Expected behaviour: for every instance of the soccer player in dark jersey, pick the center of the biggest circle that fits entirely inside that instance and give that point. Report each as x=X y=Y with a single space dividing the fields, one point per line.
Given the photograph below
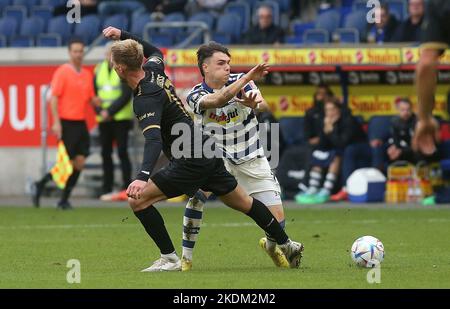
x=158 y=110
x=435 y=40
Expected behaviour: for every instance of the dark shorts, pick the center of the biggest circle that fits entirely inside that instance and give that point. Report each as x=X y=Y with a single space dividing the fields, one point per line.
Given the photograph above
x=436 y=25
x=324 y=158
x=76 y=138
x=186 y=176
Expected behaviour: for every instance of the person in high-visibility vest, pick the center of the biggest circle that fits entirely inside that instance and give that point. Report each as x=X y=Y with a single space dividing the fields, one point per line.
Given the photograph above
x=115 y=118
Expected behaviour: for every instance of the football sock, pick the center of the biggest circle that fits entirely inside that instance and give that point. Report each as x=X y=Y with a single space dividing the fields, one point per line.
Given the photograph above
x=271 y=242
x=71 y=182
x=191 y=223
x=315 y=178
x=328 y=185
x=265 y=220
x=41 y=183
x=153 y=223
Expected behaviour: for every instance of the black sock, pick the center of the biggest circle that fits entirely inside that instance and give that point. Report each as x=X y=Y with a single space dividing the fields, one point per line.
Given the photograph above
x=153 y=223
x=71 y=182
x=265 y=220
x=41 y=183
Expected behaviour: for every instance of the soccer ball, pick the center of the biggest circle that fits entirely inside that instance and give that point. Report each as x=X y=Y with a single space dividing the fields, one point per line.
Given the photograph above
x=367 y=251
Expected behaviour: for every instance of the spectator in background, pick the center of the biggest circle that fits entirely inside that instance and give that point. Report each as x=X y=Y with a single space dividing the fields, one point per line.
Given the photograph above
x=212 y=6
x=402 y=130
x=410 y=29
x=314 y=115
x=72 y=91
x=265 y=32
x=115 y=118
x=160 y=8
x=337 y=132
x=384 y=30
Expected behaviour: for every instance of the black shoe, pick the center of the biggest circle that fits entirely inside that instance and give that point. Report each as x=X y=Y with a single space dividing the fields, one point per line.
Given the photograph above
x=64 y=205
x=36 y=192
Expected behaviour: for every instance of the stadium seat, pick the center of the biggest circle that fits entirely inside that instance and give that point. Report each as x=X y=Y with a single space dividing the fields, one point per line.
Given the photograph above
x=138 y=24
x=21 y=41
x=275 y=11
x=26 y=3
x=2 y=41
x=229 y=24
x=32 y=27
x=222 y=38
x=48 y=40
x=346 y=35
x=59 y=25
x=119 y=21
x=205 y=17
x=88 y=29
x=316 y=36
x=53 y=3
x=360 y=5
x=4 y=3
x=161 y=40
x=108 y=8
x=284 y=5
x=242 y=9
x=358 y=21
x=18 y=12
x=8 y=27
x=292 y=130
x=44 y=12
x=328 y=21
x=379 y=128
x=300 y=27
x=397 y=8
x=293 y=39
x=174 y=17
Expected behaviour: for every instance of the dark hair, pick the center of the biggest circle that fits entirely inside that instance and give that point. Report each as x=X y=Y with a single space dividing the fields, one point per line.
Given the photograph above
x=335 y=101
x=327 y=89
x=404 y=100
x=385 y=6
x=74 y=40
x=207 y=50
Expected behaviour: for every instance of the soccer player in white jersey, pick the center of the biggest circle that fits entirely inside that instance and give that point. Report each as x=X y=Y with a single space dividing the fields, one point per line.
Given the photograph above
x=235 y=127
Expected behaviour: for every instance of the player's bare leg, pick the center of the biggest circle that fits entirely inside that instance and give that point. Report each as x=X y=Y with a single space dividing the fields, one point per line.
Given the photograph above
x=141 y=202
x=426 y=80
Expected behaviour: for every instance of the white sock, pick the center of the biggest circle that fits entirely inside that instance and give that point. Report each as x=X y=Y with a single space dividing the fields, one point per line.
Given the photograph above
x=192 y=220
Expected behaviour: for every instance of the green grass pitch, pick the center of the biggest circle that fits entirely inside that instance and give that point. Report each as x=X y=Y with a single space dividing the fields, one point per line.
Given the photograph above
x=112 y=248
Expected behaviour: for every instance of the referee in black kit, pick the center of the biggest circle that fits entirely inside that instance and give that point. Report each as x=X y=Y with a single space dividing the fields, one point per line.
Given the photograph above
x=158 y=110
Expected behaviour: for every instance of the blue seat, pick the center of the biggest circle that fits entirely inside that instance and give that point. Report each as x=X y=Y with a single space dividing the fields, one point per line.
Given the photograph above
x=119 y=21
x=361 y=5
x=32 y=27
x=59 y=25
x=346 y=35
x=88 y=29
x=358 y=21
x=48 y=40
x=108 y=8
x=26 y=3
x=162 y=40
x=293 y=39
x=19 y=12
x=8 y=27
x=241 y=9
x=284 y=5
x=4 y=3
x=53 y=3
x=229 y=24
x=21 y=41
x=2 y=41
x=397 y=8
x=316 y=36
x=292 y=129
x=300 y=27
x=205 y=17
x=138 y=24
x=44 y=12
x=379 y=128
x=174 y=17
x=222 y=38
x=328 y=21
x=275 y=11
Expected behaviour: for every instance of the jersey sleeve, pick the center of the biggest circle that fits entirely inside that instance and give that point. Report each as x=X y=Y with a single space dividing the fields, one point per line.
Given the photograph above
x=57 y=84
x=148 y=110
x=194 y=98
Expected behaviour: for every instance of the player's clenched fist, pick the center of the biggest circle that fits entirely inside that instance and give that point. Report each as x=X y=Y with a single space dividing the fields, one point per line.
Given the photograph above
x=112 y=33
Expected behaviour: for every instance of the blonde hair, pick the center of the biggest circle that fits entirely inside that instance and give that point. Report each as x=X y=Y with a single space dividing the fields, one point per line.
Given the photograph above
x=129 y=53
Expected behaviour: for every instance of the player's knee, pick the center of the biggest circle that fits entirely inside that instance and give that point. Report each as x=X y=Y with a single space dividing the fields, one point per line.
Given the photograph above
x=133 y=203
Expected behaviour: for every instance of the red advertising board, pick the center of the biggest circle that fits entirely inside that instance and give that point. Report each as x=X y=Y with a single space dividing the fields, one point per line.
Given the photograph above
x=21 y=90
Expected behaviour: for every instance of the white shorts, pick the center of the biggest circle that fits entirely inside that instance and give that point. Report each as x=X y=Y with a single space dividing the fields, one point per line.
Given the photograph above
x=256 y=177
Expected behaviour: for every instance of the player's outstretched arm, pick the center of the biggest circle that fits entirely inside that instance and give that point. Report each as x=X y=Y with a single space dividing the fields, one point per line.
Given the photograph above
x=117 y=34
x=223 y=96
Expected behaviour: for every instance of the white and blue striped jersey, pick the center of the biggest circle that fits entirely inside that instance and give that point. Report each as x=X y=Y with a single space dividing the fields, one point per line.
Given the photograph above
x=234 y=125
